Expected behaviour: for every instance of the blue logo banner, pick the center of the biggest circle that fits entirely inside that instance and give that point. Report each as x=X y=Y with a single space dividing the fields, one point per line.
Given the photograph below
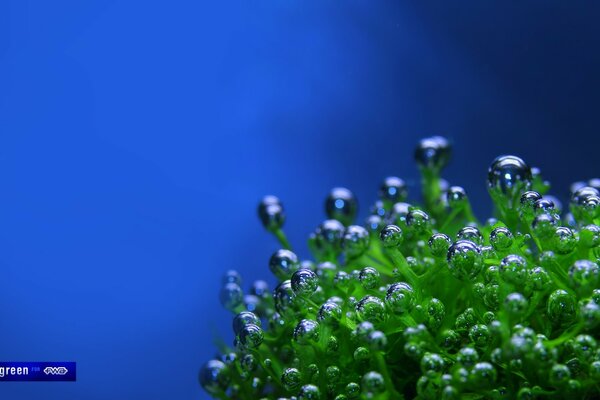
x=52 y=371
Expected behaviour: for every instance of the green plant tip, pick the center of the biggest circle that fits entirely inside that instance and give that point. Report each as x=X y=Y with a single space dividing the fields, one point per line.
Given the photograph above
x=423 y=301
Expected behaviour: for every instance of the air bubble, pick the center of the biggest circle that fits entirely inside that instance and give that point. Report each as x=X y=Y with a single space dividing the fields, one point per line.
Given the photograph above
x=306 y=331
x=371 y=308
x=439 y=243
x=283 y=264
x=456 y=197
x=271 y=213
x=231 y=296
x=433 y=153
x=391 y=236
x=470 y=233
x=509 y=175
x=214 y=377
x=501 y=238
x=464 y=260
x=400 y=298
x=356 y=241
x=393 y=189
x=304 y=282
x=341 y=205
x=244 y=318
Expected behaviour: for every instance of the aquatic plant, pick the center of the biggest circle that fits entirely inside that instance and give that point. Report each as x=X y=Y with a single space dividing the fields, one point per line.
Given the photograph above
x=424 y=301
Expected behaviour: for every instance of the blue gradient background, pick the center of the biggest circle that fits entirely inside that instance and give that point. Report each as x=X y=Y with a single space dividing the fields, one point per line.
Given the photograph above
x=137 y=137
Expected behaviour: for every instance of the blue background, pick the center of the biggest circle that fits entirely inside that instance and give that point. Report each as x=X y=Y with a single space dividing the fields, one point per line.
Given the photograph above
x=136 y=138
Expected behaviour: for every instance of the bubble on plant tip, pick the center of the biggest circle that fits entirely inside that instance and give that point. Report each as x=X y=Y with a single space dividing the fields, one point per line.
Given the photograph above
x=271 y=213
x=415 y=333
x=248 y=363
x=333 y=373
x=231 y=296
x=564 y=241
x=584 y=347
x=465 y=320
x=433 y=152
x=369 y=278
x=391 y=236
x=584 y=276
x=214 y=377
x=418 y=220
x=393 y=189
x=251 y=336
x=352 y=389
x=362 y=330
x=589 y=236
x=580 y=195
x=291 y=379
x=377 y=340
x=378 y=208
x=464 y=259
x=242 y=319
x=510 y=175
x=356 y=241
x=232 y=276
x=283 y=296
x=400 y=298
x=361 y=354
x=501 y=238
x=439 y=243
x=304 y=282
x=467 y=357
x=371 y=308
x=543 y=206
x=560 y=306
x=471 y=233
x=544 y=225
x=483 y=374
x=449 y=392
x=585 y=204
x=450 y=339
x=309 y=392
x=513 y=269
x=413 y=350
x=374 y=223
x=436 y=311
x=329 y=312
x=373 y=382
x=283 y=263
x=559 y=375
x=456 y=197
x=254 y=304
x=326 y=271
x=306 y=331
x=539 y=278
x=479 y=335
x=329 y=235
x=432 y=362
x=558 y=206
x=515 y=304
x=398 y=212
x=526 y=202
x=341 y=205
x=260 y=288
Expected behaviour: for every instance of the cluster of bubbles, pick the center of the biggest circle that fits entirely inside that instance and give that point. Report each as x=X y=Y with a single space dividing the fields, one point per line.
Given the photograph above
x=425 y=302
